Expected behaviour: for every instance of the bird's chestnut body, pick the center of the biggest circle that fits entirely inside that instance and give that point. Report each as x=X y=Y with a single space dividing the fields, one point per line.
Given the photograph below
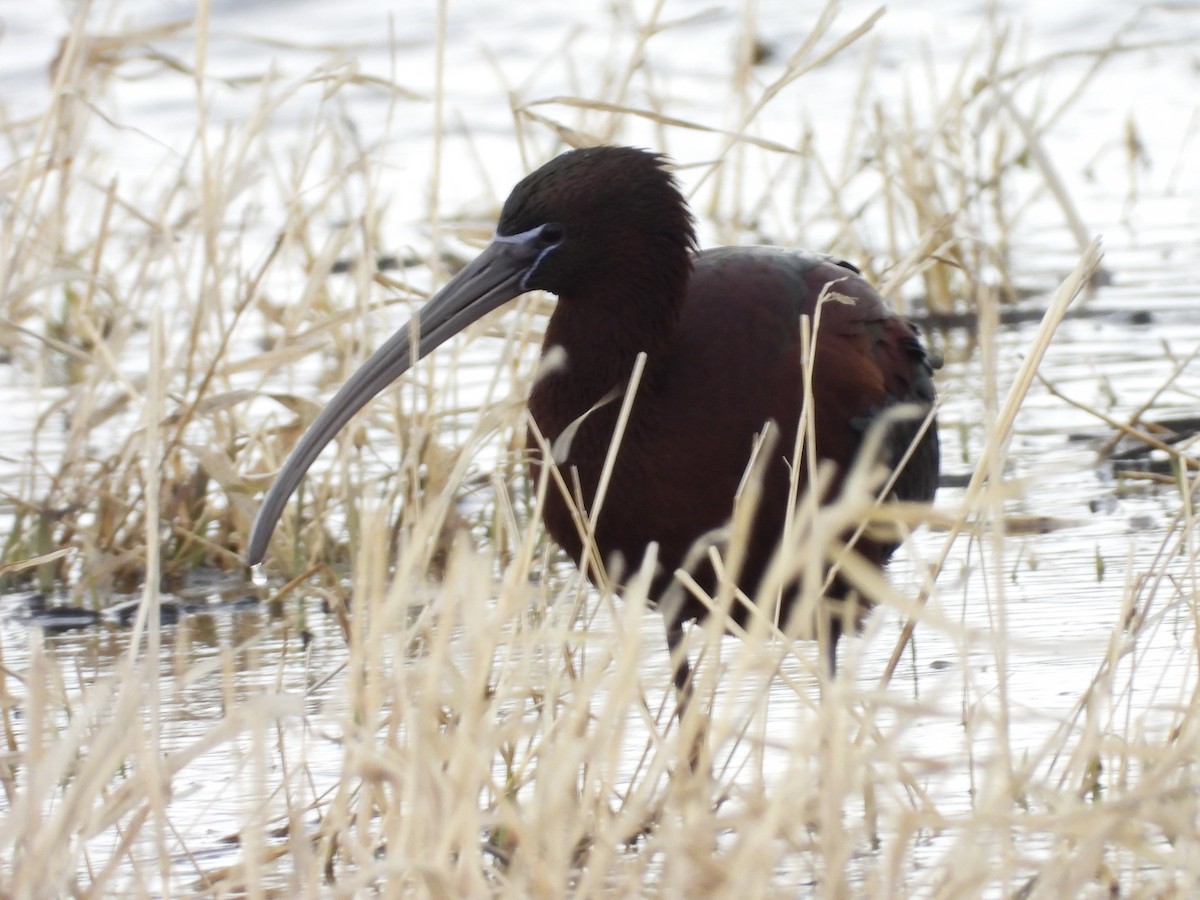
x=607 y=230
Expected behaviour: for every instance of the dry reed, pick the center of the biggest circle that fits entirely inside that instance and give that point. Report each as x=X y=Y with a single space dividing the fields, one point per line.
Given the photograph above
x=492 y=725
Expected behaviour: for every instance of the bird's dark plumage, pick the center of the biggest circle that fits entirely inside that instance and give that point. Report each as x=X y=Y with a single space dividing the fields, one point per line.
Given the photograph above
x=607 y=230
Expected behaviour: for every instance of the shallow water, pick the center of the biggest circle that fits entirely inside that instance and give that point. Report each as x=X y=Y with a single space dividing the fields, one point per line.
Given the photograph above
x=1062 y=592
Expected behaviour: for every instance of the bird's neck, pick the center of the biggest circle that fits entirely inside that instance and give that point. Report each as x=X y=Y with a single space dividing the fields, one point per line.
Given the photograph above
x=591 y=345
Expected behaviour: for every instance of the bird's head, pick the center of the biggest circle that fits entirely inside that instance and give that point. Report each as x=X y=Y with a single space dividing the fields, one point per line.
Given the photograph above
x=582 y=216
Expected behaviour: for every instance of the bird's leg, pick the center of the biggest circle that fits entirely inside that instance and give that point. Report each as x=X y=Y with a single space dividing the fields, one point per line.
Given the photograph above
x=831 y=642
x=697 y=730
x=844 y=613
x=681 y=671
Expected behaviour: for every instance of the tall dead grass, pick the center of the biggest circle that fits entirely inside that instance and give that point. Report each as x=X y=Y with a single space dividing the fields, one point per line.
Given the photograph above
x=492 y=725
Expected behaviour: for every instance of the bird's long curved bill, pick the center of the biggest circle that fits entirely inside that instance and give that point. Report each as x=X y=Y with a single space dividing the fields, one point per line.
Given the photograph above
x=492 y=279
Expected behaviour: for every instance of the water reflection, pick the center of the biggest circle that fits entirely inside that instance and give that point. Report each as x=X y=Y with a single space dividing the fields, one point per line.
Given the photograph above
x=1019 y=638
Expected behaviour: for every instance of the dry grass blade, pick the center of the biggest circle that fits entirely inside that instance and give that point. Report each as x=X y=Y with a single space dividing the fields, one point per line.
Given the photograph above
x=428 y=700
x=999 y=435
x=21 y=565
x=660 y=119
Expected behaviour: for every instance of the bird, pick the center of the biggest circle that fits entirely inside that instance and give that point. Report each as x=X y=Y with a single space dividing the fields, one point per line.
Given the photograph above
x=720 y=340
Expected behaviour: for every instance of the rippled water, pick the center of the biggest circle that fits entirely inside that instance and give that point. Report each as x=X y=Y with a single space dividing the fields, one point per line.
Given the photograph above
x=1063 y=591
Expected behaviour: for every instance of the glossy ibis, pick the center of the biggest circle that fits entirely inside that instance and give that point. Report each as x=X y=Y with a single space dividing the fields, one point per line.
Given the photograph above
x=608 y=231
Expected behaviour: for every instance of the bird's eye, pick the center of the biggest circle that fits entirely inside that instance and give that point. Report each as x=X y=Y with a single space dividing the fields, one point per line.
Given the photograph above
x=550 y=234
